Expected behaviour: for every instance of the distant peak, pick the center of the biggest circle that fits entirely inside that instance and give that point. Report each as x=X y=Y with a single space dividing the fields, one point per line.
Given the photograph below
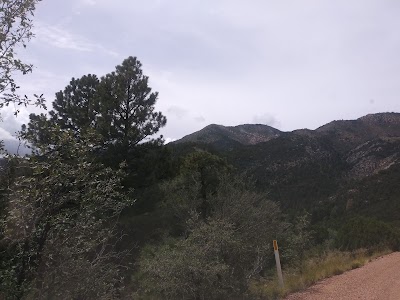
x=388 y=117
x=214 y=126
x=246 y=134
x=345 y=133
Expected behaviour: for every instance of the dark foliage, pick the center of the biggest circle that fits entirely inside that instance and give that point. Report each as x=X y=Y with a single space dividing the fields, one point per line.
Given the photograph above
x=363 y=232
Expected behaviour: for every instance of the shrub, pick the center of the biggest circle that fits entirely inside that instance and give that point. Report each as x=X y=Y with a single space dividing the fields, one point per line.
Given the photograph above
x=362 y=232
x=216 y=257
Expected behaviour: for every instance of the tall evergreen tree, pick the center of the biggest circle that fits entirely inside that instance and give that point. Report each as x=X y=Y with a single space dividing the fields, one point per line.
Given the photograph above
x=75 y=107
x=119 y=108
x=127 y=106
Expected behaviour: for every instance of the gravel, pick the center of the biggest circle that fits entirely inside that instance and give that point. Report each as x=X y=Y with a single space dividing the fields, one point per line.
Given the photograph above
x=379 y=279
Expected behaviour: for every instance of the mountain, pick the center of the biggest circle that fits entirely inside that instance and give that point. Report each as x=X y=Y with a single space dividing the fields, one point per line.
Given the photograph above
x=346 y=135
x=343 y=134
x=218 y=135
x=326 y=170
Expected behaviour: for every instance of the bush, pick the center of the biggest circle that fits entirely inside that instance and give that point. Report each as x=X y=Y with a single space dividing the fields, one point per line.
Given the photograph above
x=216 y=257
x=193 y=268
x=361 y=232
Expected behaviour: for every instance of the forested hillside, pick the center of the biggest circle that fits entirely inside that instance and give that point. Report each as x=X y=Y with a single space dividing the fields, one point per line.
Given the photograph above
x=187 y=219
x=315 y=169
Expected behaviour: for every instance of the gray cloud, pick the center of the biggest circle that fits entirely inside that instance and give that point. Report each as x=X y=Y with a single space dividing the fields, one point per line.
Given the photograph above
x=177 y=111
x=200 y=119
x=266 y=119
x=11 y=124
x=9 y=127
x=14 y=146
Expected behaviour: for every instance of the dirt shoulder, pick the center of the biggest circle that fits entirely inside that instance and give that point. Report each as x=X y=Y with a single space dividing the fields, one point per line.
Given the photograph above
x=379 y=279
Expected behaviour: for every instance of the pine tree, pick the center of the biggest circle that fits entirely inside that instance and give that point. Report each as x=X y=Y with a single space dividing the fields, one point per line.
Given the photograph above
x=119 y=108
x=75 y=107
x=126 y=104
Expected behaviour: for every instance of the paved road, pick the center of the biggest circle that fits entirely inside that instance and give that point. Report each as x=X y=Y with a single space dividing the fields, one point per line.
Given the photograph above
x=379 y=279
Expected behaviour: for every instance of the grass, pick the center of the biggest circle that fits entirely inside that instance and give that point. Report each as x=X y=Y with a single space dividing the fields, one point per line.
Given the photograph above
x=313 y=270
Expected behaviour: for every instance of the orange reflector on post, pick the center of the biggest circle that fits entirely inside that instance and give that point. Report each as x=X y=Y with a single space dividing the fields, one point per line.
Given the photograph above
x=275 y=245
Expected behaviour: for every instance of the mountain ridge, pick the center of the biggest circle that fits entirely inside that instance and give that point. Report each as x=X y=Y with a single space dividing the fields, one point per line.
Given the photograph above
x=246 y=134
x=250 y=134
x=328 y=168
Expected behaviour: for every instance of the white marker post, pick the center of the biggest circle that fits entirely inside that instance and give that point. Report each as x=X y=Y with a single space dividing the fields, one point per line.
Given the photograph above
x=278 y=263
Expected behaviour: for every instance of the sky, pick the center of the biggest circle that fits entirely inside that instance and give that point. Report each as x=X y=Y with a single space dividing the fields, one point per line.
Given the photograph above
x=288 y=64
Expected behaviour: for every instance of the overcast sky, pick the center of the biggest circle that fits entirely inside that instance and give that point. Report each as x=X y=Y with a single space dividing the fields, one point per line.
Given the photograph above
x=288 y=64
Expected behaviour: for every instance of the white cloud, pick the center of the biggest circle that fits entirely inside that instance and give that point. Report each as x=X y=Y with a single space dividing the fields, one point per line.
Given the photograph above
x=8 y=130
x=11 y=124
x=266 y=119
x=169 y=140
x=59 y=37
x=5 y=135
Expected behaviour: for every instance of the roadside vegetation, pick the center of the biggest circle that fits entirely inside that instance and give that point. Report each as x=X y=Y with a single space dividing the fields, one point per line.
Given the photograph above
x=314 y=269
x=358 y=241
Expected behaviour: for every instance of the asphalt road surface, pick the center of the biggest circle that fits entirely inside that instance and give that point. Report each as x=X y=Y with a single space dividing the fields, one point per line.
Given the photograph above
x=377 y=280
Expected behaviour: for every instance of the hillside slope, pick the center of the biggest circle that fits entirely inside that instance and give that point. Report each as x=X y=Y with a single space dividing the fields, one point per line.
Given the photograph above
x=218 y=135
x=326 y=170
